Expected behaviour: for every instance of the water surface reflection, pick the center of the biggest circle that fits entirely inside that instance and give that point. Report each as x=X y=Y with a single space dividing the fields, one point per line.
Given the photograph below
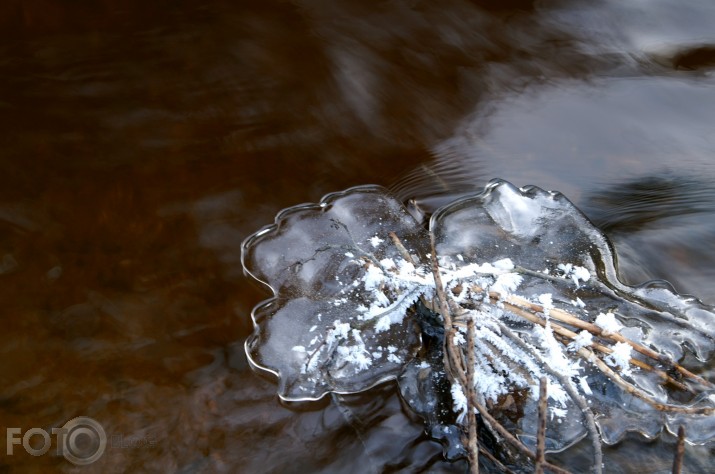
x=141 y=143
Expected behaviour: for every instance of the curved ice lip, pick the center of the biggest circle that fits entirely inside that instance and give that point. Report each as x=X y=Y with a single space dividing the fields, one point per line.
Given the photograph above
x=325 y=273
x=532 y=227
x=325 y=201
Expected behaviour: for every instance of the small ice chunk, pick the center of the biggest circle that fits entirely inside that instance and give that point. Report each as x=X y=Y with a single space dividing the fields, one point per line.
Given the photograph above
x=376 y=241
x=340 y=330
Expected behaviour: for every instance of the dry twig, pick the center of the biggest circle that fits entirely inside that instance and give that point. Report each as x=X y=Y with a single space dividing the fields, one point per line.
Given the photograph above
x=460 y=367
x=679 y=451
x=472 y=446
x=541 y=431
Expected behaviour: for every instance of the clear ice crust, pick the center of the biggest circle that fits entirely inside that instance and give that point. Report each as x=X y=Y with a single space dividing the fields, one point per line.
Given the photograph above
x=354 y=305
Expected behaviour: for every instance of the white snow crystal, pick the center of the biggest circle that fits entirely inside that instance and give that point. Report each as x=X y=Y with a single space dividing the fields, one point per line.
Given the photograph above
x=356 y=355
x=557 y=412
x=582 y=339
x=608 y=322
x=546 y=301
x=583 y=382
x=388 y=263
x=504 y=264
x=340 y=331
x=578 y=303
x=620 y=357
x=376 y=241
x=373 y=277
x=383 y=324
x=507 y=283
x=566 y=268
x=575 y=272
x=459 y=402
x=581 y=273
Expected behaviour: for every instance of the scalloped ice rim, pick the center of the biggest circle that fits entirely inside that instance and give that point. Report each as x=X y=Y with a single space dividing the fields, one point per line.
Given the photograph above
x=608 y=264
x=530 y=190
x=609 y=261
x=324 y=204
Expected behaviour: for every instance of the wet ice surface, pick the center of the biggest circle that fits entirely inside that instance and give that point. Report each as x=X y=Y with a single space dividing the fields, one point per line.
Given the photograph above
x=351 y=309
x=568 y=259
x=334 y=325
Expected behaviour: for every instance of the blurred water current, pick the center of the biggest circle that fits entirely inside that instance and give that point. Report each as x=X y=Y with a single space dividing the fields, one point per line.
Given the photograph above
x=140 y=142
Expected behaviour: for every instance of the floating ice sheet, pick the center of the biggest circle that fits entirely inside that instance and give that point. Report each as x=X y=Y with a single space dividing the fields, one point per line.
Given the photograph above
x=354 y=300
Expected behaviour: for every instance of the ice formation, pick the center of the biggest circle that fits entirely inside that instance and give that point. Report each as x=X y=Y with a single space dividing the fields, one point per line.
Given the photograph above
x=354 y=302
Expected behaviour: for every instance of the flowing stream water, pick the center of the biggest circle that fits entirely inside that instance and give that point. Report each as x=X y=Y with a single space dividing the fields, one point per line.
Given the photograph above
x=141 y=142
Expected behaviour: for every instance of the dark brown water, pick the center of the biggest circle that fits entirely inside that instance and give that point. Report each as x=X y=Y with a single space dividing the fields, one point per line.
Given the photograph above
x=140 y=142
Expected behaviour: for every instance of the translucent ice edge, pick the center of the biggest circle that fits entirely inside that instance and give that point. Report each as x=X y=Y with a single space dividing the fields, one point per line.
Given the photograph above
x=354 y=275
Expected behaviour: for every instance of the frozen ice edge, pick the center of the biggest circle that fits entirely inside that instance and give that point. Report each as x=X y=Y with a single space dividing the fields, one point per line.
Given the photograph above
x=683 y=303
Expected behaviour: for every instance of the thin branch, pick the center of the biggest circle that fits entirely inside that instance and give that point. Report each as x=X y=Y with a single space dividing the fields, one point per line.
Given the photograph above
x=636 y=392
x=510 y=438
x=450 y=352
x=562 y=331
x=541 y=430
x=472 y=446
x=565 y=317
x=575 y=396
x=679 y=451
x=501 y=467
x=401 y=248
x=441 y=296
